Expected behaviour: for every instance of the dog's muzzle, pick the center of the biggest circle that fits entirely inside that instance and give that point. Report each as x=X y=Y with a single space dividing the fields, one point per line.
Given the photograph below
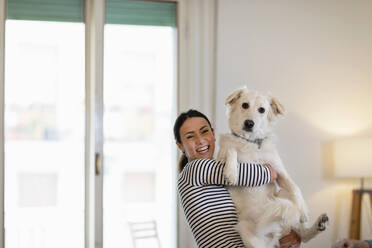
x=248 y=125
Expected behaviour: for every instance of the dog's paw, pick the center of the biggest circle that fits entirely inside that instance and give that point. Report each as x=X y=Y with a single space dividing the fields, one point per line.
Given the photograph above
x=231 y=173
x=322 y=222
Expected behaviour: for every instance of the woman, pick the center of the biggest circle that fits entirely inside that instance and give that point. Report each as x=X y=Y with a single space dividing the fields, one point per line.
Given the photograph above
x=208 y=206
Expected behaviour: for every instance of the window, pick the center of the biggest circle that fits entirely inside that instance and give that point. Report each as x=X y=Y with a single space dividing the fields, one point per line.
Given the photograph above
x=44 y=134
x=138 y=109
x=49 y=178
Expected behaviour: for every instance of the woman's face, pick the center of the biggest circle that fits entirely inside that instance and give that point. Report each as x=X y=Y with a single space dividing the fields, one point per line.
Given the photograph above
x=197 y=139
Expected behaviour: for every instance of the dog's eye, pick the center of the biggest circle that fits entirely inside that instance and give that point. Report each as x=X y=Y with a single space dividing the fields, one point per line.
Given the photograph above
x=245 y=105
x=261 y=110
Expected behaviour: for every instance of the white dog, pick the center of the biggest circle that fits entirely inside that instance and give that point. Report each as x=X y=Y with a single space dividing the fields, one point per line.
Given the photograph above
x=269 y=212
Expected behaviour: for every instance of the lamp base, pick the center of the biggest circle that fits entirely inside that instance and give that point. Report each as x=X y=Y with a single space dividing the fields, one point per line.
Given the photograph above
x=356 y=210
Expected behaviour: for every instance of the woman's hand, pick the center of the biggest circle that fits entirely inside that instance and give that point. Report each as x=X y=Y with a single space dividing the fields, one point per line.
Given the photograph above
x=292 y=240
x=273 y=175
x=350 y=243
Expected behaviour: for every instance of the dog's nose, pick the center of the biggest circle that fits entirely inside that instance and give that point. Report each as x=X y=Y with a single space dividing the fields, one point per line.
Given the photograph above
x=249 y=123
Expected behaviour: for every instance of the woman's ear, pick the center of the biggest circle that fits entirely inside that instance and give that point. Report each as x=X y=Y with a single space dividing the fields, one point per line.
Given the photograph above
x=180 y=146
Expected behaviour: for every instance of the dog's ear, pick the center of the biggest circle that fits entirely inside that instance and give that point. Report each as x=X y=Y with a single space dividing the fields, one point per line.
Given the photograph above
x=233 y=97
x=276 y=107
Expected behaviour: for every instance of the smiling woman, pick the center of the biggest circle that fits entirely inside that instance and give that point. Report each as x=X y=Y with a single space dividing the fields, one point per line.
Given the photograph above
x=191 y=129
x=207 y=205
x=197 y=138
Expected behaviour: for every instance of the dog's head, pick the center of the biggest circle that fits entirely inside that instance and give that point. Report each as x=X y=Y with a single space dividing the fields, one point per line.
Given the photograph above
x=252 y=114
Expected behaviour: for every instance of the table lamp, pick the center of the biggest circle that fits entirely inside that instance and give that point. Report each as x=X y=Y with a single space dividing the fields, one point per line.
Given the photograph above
x=353 y=159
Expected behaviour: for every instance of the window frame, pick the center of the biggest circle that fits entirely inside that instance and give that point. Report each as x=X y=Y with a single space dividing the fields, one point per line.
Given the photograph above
x=2 y=105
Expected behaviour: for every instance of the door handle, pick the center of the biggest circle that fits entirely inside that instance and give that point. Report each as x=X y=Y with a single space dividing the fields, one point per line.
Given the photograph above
x=98 y=164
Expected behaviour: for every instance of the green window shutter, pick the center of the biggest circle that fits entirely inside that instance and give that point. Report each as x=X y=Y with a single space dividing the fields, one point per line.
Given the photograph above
x=46 y=10
x=133 y=12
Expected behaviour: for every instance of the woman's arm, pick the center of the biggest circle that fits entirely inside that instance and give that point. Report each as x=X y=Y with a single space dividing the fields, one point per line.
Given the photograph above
x=207 y=171
x=292 y=240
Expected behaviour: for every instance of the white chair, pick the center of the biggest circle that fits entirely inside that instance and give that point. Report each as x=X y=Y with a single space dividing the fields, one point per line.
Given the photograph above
x=143 y=230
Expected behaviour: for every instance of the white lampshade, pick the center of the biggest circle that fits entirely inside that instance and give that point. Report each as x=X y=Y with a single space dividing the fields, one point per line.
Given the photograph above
x=353 y=157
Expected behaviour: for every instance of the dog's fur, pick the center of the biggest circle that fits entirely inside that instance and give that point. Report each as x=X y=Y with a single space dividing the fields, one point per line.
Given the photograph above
x=271 y=211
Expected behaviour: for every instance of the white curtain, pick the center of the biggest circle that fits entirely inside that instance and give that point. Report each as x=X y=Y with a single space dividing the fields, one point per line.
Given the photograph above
x=197 y=44
x=197 y=77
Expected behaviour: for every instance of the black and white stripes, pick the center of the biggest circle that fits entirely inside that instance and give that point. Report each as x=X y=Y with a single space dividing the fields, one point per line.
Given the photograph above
x=208 y=207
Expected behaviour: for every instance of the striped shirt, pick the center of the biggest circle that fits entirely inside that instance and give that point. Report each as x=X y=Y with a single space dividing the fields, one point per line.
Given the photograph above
x=208 y=206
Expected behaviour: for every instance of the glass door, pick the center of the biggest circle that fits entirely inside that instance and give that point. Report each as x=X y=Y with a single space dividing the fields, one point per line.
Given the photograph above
x=139 y=104
x=54 y=125
x=44 y=134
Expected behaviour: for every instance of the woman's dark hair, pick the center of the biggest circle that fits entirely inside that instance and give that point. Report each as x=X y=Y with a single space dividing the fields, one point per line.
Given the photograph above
x=176 y=131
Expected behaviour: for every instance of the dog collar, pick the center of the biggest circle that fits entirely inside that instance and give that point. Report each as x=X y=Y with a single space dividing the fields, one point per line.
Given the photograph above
x=258 y=142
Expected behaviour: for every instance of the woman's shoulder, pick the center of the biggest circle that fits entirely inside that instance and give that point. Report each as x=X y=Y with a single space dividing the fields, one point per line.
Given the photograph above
x=200 y=162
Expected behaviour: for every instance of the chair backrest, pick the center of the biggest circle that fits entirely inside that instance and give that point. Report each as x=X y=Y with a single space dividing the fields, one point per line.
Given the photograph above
x=143 y=230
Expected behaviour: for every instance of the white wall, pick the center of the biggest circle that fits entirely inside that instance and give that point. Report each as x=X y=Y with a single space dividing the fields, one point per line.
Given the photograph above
x=316 y=57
